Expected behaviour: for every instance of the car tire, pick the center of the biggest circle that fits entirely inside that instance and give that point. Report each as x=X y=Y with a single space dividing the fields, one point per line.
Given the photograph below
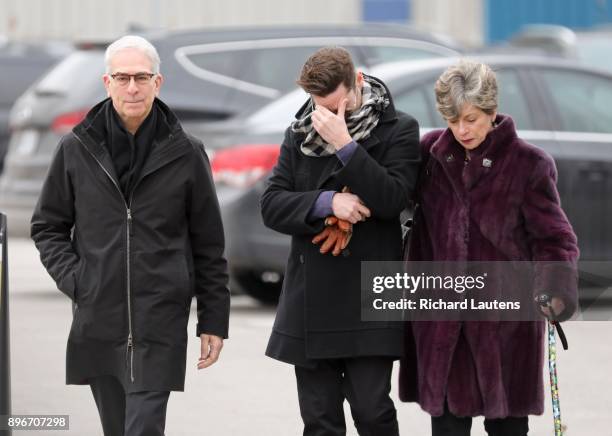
x=251 y=284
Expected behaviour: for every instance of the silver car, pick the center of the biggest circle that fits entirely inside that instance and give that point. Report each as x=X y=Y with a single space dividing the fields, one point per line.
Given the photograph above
x=556 y=105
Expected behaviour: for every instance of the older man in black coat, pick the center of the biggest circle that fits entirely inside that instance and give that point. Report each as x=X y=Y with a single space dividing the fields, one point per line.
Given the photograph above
x=128 y=225
x=352 y=157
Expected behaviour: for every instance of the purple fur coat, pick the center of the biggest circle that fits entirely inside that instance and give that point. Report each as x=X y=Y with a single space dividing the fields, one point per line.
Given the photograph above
x=504 y=208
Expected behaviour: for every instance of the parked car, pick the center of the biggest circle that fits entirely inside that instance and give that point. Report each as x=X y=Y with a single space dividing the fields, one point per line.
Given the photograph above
x=211 y=76
x=558 y=106
x=21 y=64
x=591 y=47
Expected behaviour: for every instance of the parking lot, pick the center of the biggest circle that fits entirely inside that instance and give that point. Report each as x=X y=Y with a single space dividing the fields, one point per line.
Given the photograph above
x=229 y=75
x=246 y=393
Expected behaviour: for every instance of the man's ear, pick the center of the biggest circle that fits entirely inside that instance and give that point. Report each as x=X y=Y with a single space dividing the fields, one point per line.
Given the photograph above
x=106 y=80
x=159 y=80
x=359 y=79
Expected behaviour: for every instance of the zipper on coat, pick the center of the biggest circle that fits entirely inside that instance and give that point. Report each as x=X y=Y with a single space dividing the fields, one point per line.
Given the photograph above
x=129 y=222
x=130 y=339
x=129 y=355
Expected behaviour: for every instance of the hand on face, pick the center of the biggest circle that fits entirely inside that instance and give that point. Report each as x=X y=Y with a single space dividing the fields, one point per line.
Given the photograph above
x=332 y=127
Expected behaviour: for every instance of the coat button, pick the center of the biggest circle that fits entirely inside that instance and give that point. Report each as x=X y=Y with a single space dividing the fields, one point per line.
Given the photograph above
x=301 y=258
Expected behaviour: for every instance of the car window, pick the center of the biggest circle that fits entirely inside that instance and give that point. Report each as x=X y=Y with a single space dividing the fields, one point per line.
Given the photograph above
x=511 y=99
x=414 y=102
x=16 y=77
x=276 y=68
x=438 y=121
x=380 y=54
x=280 y=111
x=582 y=100
x=420 y=102
x=595 y=50
x=226 y=63
x=76 y=74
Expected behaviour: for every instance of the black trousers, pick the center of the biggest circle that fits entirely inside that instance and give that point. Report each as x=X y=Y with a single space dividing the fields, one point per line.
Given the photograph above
x=135 y=414
x=364 y=381
x=451 y=425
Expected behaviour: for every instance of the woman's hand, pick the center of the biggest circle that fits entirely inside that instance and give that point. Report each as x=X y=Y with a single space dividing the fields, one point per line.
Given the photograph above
x=557 y=306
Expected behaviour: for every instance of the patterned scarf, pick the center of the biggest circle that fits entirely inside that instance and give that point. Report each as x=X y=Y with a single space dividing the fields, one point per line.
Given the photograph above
x=360 y=123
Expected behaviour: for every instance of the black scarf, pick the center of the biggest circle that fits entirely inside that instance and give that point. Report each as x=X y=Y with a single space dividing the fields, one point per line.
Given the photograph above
x=129 y=152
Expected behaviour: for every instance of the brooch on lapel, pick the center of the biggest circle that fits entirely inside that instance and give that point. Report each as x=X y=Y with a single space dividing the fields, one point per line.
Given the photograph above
x=450 y=158
x=487 y=163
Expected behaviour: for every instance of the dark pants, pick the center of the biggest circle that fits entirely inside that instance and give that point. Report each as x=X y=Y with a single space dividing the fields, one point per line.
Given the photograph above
x=135 y=414
x=451 y=425
x=364 y=381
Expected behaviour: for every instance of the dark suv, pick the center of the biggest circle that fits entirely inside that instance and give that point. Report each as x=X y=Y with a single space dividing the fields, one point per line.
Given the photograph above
x=21 y=64
x=211 y=75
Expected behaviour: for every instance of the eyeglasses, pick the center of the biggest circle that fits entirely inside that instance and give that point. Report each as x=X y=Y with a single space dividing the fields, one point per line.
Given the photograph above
x=124 y=79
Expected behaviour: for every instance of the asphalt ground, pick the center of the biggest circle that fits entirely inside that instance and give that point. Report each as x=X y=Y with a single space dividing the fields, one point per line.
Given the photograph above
x=246 y=393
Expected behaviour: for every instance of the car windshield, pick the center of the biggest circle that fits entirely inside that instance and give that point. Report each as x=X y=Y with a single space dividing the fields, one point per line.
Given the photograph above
x=77 y=69
x=595 y=51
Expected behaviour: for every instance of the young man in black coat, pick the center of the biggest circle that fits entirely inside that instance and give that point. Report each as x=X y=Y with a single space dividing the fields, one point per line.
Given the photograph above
x=128 y=225
x=351 y=160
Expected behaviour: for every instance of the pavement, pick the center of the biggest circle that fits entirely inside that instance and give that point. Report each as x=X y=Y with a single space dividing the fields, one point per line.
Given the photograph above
x=246 y=393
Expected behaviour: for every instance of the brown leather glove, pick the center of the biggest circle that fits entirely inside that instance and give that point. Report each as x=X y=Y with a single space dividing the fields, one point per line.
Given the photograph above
x=337 y=234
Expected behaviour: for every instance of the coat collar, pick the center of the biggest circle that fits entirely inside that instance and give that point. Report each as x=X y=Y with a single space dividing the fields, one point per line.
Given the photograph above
x=484 y=159
x=171 y=144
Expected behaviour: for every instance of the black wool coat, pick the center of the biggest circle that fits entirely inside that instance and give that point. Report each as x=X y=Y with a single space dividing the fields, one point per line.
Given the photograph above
x=132 y=266
x=319 y=311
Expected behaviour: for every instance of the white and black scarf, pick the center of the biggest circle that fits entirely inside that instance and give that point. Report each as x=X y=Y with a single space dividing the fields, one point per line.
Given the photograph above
x=360 y=123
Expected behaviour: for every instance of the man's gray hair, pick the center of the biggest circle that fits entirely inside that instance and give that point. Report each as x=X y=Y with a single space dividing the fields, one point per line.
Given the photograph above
x=467 y=82
x=132 y=41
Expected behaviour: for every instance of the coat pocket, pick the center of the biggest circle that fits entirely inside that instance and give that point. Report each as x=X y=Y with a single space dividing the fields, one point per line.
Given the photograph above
x=187 y=281
x=83 y=284
x=68 y=286
x=161 y=277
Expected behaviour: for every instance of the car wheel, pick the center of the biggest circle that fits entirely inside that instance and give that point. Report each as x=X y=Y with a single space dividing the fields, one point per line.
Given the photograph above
x=253 y=285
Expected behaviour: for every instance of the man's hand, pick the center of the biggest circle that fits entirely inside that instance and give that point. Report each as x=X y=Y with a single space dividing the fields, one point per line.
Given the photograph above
x=349 y=207
x=210 y=349
x=331 y=126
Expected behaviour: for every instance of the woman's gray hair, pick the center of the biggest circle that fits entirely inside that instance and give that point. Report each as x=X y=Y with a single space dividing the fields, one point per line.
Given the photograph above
x=133 y=41
x=467 y=82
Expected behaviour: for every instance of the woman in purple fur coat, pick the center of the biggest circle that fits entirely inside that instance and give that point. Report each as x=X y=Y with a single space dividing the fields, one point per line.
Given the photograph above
x=485 y=195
